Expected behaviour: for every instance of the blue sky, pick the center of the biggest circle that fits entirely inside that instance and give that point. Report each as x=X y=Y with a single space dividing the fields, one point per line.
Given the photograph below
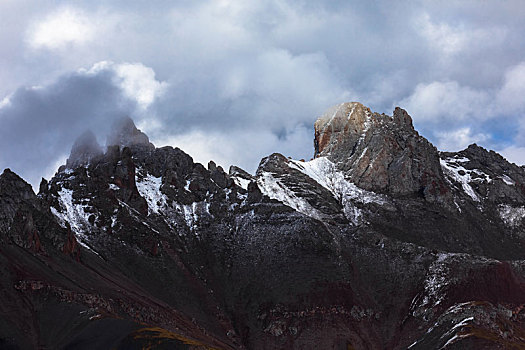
x=234 y=81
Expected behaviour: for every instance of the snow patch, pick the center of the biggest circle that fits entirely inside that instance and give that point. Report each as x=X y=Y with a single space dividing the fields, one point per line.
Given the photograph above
x=462 y=323
x=460 y=159
x=366 y=126
x=436 y=280
x=193 y=212
x=274 y=189
x=508 y=180
x=75 y=214
x=511 y=216
x=158 y=203
x=325 y=173
x=241 y=182
x=457 y=172
x=149 y=189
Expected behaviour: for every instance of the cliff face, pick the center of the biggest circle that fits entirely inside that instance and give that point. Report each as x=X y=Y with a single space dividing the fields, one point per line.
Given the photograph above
x=380 y=153
x=378 y=242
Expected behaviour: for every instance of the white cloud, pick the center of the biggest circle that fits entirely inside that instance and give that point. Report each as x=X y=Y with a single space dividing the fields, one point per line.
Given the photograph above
x=5 y=102
x=454 y=39
x=442 y=36
x=203 y=147
x=61 y=28
x=241 y=147
x=272 y=65
x=459 y=139
x=137 y=81
x=511 y=97
x=450 y=110
x=275 y=79
x=514 y=154
x=447 y=102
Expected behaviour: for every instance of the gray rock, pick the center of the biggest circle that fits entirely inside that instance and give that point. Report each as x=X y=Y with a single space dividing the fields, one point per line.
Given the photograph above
x=84 y=150
x=124 y=133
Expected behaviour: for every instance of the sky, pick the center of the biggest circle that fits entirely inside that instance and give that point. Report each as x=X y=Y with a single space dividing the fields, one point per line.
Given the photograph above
x=234 y=80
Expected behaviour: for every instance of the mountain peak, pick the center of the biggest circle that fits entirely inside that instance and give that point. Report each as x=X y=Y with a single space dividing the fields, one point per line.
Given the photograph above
x=124 y=133
x=14 y=186
x=349 y=122
x=339 y=123
x=379 y=152
x=402 y=118
x=85 y=148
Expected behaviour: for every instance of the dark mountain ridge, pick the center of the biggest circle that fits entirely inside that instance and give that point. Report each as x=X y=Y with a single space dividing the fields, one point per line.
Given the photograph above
x=379 y=242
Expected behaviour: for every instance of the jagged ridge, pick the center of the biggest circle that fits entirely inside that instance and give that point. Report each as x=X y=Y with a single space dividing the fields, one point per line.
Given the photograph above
x=379 y=242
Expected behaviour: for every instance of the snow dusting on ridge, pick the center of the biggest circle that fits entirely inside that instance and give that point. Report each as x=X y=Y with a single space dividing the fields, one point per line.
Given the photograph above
x=241 y=182
x=73 y=213
x=274 y=189
x=452 y=168
x=149 y=189
x=325 y=173
x=511 y=216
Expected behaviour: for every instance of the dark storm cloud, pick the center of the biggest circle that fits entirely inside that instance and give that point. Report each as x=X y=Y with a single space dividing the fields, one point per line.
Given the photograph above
x=40 y=124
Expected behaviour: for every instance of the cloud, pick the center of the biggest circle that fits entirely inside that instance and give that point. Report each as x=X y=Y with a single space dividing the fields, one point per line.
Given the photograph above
x=455 y=115
x=514 y=154
x=137 y=81
x=459 y=139
x=251 y=107
x=5 y=102
x=63 y=27
x=447 y=102
x=442 y=36
x=243 y=147
x=511 y=95
x=454 y=39
x=39 y=124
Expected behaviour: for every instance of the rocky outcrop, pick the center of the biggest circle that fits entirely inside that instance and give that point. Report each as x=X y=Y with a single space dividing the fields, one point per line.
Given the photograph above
x=84 y=149
x=124 y=133
x=380 y=153
x=490 y=176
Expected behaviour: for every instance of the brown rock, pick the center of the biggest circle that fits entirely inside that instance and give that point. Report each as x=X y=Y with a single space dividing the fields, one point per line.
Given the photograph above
x=379 y=152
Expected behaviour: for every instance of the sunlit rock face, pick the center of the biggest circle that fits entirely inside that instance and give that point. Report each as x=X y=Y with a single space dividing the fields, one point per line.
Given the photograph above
x=379 y=152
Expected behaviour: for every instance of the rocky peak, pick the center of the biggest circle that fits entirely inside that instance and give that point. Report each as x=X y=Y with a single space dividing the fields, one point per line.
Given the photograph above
x=124 y=133
x=402 y=119
x=485 y=176
x=238 y=172
x=12 y=185
x=340 y=125
x=379 y=152
x=14 y=193
x=84 y=149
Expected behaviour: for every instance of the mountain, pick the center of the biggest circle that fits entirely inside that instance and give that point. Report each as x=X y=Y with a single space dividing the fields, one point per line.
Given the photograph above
x=379 y=242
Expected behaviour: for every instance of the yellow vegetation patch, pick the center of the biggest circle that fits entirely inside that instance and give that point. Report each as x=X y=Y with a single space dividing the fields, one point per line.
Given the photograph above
x=157 y=333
